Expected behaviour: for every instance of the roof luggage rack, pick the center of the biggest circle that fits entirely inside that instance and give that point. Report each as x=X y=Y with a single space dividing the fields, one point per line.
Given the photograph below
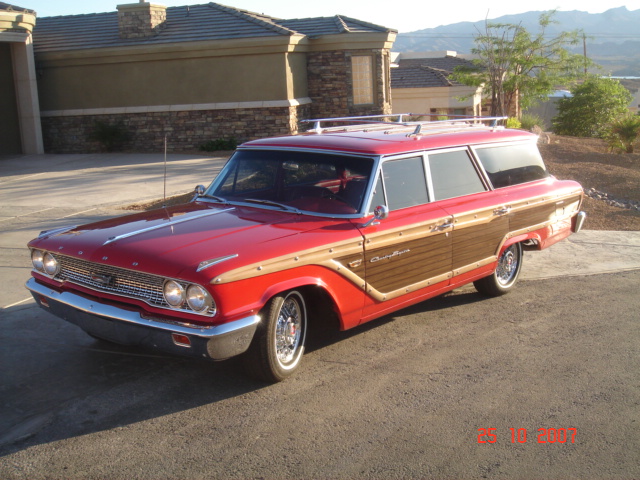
x=402 y=121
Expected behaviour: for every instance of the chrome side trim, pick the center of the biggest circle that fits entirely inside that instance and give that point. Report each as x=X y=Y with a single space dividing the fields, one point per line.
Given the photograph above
x=56 y=231
x=168 y=224
x=214 y=261
x=85 y=305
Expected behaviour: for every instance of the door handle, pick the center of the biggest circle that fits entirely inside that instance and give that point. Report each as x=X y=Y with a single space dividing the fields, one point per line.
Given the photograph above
x=502 y=210
x=443 y=226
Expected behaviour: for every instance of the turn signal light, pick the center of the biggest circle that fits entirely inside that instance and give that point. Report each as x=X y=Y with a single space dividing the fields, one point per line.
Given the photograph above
x=181 y=340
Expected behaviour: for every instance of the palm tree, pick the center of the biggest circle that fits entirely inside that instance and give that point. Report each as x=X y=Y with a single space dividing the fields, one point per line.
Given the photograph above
x=624 y=133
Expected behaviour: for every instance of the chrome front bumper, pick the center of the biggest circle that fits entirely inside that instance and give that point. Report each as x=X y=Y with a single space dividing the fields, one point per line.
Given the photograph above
x=128 y=327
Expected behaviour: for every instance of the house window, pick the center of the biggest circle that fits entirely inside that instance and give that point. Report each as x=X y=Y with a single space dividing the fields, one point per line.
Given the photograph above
x=362 y=71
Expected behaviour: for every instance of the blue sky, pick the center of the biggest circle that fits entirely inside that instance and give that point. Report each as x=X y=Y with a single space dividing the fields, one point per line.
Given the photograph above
x=404 y=15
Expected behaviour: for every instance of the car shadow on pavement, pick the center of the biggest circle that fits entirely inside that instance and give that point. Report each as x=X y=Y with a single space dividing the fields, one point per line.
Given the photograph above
x=324 y=337
x=58 y=383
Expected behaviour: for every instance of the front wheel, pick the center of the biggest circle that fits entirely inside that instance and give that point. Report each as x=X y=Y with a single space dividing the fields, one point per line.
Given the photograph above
x=504 y=278
x=277 y=348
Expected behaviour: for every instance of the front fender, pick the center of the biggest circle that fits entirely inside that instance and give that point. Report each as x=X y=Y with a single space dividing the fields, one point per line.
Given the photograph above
x=249 y=296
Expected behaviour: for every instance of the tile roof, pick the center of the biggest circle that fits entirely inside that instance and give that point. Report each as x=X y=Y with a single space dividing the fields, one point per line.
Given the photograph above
x=14 y=8
x=210 y=21
x=316 y=27
x=425 y=72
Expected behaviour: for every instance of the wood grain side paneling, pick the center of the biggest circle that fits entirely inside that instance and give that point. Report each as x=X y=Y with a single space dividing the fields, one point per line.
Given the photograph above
x=406 y=263
x=477 y=242
x=523 y=217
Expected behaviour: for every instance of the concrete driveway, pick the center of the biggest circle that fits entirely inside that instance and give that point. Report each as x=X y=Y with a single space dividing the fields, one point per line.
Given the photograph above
x=39 y=192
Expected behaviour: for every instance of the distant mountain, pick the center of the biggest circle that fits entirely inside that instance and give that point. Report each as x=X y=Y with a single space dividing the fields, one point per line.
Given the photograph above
x=613 y=37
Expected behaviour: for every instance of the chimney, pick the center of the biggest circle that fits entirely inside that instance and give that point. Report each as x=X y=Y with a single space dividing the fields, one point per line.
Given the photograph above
x=140 y=20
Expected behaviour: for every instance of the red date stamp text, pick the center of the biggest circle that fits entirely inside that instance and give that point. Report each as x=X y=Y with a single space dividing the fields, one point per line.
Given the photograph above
x=519 y=435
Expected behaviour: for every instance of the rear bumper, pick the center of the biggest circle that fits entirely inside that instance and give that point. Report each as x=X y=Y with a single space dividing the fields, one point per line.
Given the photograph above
x=578 y=221
x=128 y=327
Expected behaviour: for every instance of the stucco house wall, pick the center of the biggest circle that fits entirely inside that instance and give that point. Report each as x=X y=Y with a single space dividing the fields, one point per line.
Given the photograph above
x=420 y=83
x=199 y=73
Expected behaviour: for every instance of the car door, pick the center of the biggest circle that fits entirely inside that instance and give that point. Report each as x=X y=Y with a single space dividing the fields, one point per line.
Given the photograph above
x=480 y=221
x=409 y=253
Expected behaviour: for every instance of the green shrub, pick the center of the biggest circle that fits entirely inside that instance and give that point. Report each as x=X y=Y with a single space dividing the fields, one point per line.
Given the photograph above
x=219 y=144
x=111 y=136
x=513 y=122
x=595 y=104
x=624 y=134
x=529 y=120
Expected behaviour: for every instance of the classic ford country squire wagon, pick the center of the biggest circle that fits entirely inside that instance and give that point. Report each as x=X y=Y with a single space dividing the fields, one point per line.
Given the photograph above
x=344 y=223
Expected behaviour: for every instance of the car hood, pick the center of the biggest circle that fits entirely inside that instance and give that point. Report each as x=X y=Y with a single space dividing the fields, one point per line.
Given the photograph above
x=175 y=241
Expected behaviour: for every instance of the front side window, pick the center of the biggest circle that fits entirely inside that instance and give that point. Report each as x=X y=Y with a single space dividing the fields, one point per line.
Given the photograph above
x=405 y=183
x=362 y=73
x=512 y=164
x=453 y=175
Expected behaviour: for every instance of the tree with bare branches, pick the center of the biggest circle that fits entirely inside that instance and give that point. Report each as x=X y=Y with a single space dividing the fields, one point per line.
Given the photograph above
x=518 y=69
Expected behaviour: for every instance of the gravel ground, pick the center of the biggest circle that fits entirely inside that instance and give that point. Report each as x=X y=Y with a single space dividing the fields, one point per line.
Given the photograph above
x=614 y=178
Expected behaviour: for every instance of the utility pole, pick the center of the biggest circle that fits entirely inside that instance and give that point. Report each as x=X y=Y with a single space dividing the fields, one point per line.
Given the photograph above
x=584 y=48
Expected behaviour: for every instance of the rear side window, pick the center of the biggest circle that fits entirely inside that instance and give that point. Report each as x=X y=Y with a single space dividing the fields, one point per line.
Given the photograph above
x=405 y=183
x=453 y=175
x=512 y=164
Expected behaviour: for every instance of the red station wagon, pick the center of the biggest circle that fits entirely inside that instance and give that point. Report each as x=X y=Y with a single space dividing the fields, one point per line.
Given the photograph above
x=348 y=222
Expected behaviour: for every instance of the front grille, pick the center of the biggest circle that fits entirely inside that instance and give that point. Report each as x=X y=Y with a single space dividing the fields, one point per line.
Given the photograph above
x=118 y=281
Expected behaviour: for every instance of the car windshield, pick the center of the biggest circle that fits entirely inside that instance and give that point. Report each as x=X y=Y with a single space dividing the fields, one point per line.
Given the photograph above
x=328 y=184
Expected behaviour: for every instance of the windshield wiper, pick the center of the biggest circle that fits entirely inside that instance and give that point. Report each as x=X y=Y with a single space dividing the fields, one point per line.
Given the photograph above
x=214 y=197
x=271 y=203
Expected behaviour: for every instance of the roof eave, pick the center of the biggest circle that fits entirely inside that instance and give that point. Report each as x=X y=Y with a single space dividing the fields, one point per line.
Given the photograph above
x=353 y=41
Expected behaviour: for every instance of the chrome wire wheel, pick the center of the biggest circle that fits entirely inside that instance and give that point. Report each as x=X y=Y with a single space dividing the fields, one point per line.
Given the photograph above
x=278 y=345
x=289 y=330
x=506 y=274
x=508 y=266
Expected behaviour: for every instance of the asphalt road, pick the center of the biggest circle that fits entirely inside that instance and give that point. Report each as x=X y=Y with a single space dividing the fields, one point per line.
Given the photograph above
x=403 y=397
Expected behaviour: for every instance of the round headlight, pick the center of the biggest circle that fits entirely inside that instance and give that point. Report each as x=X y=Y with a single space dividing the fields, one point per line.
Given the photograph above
x=51 y=266
x=173 y=293
x=37 y=259
x=198 y=298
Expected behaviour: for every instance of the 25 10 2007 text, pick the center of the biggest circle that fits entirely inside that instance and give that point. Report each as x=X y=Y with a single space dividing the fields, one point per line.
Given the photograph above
x=519 y=435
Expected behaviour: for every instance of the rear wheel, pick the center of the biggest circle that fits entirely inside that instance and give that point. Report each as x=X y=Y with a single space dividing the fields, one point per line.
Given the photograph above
x=506 y=274
x=278 y=345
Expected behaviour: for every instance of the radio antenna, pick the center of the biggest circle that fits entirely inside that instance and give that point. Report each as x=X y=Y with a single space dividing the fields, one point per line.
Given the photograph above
x=164 y=194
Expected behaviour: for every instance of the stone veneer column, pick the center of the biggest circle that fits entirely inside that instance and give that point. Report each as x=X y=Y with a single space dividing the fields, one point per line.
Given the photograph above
x=16 y=27
x=139 y=20
x=331 y=83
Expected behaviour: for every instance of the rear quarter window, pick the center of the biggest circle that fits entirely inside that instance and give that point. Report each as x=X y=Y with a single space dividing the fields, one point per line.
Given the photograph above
x=508 y=165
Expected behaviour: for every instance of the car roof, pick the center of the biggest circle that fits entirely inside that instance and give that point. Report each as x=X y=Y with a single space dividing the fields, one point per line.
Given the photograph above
x=373 y=140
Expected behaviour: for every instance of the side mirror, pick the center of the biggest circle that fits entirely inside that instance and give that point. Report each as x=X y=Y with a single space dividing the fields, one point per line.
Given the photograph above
x=198 y=191
x=381 y=212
